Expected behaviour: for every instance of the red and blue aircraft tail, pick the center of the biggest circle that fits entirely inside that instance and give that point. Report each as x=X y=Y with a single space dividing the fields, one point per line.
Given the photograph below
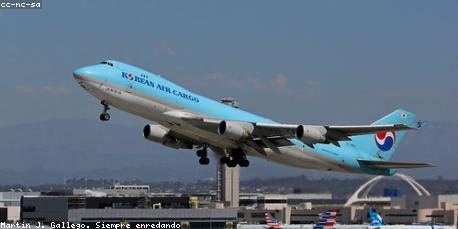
x=327 y=219
x=384 y=144
x=272 y=223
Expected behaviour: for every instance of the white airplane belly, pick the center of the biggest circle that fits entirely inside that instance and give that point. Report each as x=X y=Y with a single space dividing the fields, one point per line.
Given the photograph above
x=297 y=157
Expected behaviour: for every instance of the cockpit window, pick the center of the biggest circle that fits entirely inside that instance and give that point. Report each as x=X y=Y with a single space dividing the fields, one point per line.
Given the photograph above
x=107 y=63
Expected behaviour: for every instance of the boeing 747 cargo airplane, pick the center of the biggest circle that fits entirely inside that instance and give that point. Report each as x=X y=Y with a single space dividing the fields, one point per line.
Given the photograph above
x=186 y=120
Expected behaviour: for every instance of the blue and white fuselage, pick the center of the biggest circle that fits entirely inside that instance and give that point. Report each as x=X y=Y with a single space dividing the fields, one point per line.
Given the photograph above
x=194 y=120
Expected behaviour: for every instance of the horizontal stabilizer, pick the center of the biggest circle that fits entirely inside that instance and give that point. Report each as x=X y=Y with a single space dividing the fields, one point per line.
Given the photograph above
x=393 y=165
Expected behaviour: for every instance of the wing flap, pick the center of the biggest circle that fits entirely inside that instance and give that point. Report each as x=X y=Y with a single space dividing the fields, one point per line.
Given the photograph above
x=274 y=130
x=393 y=164
x=275 y=141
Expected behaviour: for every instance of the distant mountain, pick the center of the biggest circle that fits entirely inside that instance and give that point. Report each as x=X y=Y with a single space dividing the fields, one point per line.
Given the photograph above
x=52 y=151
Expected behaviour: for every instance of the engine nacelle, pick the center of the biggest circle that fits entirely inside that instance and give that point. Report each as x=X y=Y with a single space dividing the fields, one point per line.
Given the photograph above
x=162 y=135
x=235 y=130
x=155 y=133
x=311 y=134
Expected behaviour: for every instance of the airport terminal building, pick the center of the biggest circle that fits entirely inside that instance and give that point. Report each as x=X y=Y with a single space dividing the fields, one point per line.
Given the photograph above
x=132 y=210
x=135 y=204
x=199 y=212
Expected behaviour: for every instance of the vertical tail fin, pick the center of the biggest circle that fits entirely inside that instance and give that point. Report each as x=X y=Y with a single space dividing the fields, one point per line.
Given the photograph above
x=375 y=219
x=384 y=144
x=327 y=219
x=271 y=222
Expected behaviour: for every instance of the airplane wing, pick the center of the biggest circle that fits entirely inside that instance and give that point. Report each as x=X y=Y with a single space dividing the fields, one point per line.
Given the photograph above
x=268 y=135
x=393 y=165
x=343 y=133
x=321 y=134
x=365 y=129
x=274 y=130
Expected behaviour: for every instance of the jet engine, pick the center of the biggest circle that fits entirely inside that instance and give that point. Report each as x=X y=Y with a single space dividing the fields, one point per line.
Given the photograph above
x=310 y=135
x=162 y=135
x=235 y=130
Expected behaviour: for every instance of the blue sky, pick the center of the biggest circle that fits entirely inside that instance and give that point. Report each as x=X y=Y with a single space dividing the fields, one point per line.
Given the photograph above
x=311 y=62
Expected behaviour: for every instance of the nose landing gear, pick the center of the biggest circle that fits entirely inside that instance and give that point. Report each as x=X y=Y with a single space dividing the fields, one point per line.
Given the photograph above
x=105 y=116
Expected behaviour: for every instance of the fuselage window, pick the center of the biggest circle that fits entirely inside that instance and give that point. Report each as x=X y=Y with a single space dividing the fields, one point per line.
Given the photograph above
x=107 y=63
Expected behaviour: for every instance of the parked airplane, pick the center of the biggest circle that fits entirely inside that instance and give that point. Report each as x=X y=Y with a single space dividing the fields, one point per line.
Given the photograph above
x=327 y=220
x=188 y=120
x=375 y=220
x=271 y=222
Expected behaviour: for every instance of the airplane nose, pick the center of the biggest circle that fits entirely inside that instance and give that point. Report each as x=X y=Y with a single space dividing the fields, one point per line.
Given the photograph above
x=82 y=73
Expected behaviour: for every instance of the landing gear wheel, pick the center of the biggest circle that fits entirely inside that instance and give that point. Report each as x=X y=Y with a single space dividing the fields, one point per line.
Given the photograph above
x=204 y=161
x=224 y=160
x=104 y=117
x=231 y=163
x=244 y=163
x=201 y=153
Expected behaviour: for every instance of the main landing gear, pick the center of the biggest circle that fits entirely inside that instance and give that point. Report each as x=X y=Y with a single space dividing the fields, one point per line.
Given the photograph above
x=105 y=116
x=203 y=156
x=237 y=157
